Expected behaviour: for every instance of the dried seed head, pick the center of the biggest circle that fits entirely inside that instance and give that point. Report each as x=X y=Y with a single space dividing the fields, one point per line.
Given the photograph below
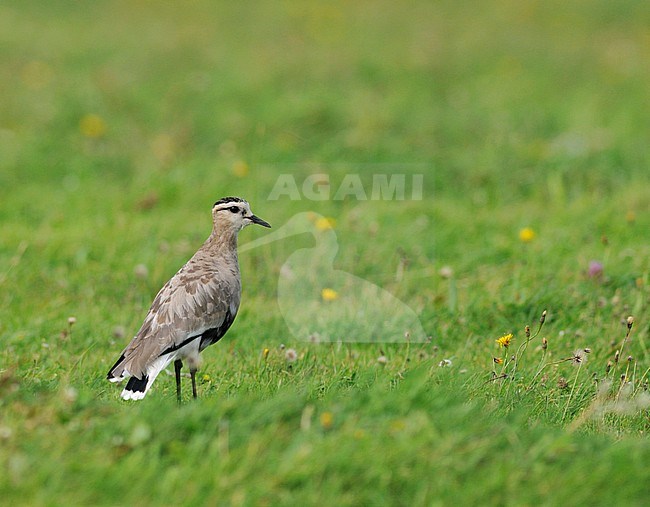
x=579 y=357
x=497 y=360
x=72 y=321
x=527 y=331
x=623 y=377
x=543 y=317
x=141 y=271
x=587 y=350
x=617 y=355
x=544 y=343
x=70 y=394
x=630 y=359
x=608 y=367
x=562 y=383
x=446 y=272
x=291 y=355
x=630 y=322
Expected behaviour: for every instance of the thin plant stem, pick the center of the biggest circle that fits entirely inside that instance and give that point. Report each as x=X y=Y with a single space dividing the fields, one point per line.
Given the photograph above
x=630 y=323
x=575 y=381
x=522 y=348
x=624 y=380
x=559 y=361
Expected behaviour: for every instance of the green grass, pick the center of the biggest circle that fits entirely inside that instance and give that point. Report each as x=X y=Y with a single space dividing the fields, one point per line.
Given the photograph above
x=518 y=115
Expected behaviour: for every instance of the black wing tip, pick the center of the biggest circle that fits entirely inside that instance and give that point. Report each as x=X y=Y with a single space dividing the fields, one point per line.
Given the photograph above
x=110 y=375
x=137 y=385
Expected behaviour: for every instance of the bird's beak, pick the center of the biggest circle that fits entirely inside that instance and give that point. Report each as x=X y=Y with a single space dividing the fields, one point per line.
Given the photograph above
x=257 y=220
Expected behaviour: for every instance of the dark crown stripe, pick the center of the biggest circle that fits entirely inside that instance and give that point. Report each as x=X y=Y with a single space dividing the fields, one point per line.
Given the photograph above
x=227 y=200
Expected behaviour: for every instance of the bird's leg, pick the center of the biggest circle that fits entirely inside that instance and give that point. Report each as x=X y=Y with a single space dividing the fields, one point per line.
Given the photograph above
x=178 y=364
x=193 y=375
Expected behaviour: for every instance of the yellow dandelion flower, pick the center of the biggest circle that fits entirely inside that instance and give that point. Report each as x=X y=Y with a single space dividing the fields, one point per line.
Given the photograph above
x=240 y=169
x=265 y=353
x=92 y=126
x=326 y=420
x=497 y=360
x=359 y=434
x=505 y=340
x=207 y=378
x=397 y=426
x=527 y=235
x=329 y=294
x=325 y=224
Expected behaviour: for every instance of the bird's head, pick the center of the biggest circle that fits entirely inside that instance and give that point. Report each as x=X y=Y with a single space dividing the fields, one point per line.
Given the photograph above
x=233 y=213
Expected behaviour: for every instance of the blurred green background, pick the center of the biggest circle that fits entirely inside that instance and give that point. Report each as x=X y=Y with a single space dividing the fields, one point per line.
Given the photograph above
x=122 y=122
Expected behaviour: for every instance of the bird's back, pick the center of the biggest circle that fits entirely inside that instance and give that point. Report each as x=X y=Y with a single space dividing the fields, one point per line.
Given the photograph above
x=199 y=302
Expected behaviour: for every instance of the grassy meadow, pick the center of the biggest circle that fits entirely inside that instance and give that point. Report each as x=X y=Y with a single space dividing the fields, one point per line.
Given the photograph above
x=122 y=122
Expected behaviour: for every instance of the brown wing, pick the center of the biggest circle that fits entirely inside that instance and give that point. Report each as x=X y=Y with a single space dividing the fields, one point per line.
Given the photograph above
x=191 y=303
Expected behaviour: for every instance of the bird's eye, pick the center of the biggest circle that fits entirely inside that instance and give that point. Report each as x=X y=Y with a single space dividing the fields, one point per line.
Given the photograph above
x=233 y=209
